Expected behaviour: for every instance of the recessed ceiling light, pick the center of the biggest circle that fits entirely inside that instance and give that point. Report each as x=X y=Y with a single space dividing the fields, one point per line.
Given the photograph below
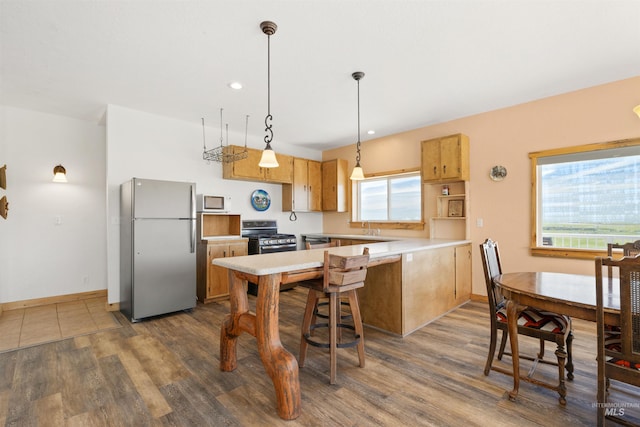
x=235 y=85
x=371 y=132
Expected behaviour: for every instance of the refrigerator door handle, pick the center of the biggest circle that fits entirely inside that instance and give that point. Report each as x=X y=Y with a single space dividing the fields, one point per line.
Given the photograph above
x=193 y=219
x=193 y=235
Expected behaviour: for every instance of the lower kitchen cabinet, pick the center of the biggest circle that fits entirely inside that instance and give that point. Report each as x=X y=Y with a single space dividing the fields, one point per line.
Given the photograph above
x=402 y=297
x=213 y=281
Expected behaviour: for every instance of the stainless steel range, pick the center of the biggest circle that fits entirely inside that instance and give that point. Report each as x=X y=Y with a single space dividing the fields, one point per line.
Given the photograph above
x=264 y=239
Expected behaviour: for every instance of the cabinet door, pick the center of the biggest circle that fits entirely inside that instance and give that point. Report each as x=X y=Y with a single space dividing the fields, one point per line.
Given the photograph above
x=334 y=185
x=431 y=160
x=462 y=291
x=238 y=249
x=283 y=173
x=315 y=185
x=450 y=161
x=217 y=279
x=300 y=185
x=245 y=168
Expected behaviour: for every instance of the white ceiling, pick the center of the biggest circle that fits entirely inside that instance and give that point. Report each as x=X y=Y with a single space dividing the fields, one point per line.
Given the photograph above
x=425 y=61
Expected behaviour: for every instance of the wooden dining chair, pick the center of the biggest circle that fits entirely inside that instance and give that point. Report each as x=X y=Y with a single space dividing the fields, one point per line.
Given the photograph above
x=625 y=249
x=342 y=276
x=544 y=325
x=619 y=345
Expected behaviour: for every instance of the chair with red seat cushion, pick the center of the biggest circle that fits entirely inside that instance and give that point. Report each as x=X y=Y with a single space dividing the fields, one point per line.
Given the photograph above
x=618 y=345
x=544 y=325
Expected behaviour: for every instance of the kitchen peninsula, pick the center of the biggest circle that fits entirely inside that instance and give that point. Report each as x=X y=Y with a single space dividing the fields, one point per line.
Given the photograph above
x=410 y=282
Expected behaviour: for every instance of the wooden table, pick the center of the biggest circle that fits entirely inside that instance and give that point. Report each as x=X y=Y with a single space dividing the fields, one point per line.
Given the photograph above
x=570 y=294
x=269 y=271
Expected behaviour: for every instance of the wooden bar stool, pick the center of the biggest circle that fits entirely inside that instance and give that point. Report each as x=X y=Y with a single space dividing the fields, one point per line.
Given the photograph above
x=342 y=276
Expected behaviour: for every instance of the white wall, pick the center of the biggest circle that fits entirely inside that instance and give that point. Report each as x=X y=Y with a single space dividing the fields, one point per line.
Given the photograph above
x=37 y=257
x=144 y=145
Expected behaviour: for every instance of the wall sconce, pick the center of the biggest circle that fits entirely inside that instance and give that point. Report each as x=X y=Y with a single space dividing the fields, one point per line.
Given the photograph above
x=636 y=110
x=59 y=174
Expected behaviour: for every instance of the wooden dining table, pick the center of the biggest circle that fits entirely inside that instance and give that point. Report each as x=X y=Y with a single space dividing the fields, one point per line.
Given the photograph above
x=570 y=294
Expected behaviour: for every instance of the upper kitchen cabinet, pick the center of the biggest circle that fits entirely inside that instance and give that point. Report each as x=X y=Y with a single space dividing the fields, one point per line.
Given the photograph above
x=445 y=159
x=248 y=169
x=335 y=180
x=305 y=193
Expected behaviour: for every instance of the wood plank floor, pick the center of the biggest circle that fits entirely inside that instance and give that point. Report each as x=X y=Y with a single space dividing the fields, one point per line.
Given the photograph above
x=165 y=372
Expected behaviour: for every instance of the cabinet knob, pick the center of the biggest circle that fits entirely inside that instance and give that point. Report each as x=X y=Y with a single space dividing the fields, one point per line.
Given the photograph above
x=444 y=168
x=435 y=170
x=224 y=254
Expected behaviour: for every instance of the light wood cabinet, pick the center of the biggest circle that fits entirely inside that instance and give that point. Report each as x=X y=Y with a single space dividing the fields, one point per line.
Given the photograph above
x=219 y=238
x=404 y=296
x=305 y=193
x=248 y=169
x=462 y=290
x=445 y=159
x=334 y=185
x=213 y=280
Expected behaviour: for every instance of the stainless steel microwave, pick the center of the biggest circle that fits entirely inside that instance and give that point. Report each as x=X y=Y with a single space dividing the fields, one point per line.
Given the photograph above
x=207 y=203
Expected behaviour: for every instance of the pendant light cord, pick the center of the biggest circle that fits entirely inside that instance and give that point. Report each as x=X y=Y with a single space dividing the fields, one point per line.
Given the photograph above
x=267 y=120
x=358 y=143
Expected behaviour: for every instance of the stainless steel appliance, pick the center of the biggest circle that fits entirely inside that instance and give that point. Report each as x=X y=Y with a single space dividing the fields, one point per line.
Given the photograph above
x=207 y=203
x=264 y=239
x=157 y=247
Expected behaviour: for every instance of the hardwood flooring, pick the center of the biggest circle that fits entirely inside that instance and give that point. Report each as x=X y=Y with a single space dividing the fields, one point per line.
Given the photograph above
x=165 y=372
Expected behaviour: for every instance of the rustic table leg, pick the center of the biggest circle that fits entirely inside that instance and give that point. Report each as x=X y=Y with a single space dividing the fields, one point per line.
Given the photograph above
x=230 y=329
x=512 y=321
x=281 y=365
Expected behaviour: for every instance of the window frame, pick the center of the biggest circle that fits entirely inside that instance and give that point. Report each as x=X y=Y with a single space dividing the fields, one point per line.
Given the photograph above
x=535 y=188
x=392 y=224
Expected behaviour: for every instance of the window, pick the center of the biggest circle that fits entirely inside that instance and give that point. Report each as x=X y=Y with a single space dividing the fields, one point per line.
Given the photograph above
x=586 y=197
x=396 y=198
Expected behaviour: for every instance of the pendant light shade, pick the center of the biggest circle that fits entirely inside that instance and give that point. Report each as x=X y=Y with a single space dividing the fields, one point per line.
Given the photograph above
x=358 y=174
x=59 y=174
x=268 y=159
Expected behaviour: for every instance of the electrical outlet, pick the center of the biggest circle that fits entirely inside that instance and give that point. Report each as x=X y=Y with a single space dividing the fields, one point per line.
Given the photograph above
x=479 y=222
x=58 y=220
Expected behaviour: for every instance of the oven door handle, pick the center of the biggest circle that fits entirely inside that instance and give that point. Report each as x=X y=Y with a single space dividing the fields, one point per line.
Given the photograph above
x=271 y=247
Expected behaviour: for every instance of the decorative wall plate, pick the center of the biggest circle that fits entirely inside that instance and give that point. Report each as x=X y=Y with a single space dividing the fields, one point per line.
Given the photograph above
x=260 y=200
x=498 y=173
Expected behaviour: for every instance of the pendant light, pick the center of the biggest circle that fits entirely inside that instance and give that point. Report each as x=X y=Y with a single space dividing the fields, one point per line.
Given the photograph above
x=268 y=159
x=358 y=174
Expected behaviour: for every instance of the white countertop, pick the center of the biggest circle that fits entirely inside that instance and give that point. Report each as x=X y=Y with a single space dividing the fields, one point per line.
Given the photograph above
x=281 y=262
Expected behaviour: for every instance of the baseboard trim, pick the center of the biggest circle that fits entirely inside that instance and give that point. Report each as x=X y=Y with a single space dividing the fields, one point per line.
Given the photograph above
x=480 y=298
x=15 y=305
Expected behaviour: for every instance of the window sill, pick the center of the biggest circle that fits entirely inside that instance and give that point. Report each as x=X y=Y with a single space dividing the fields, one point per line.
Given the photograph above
x=589 y=254
x=391 y=225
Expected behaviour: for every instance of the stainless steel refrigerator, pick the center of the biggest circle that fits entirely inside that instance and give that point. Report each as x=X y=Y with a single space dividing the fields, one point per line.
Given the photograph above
x=157 y=247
